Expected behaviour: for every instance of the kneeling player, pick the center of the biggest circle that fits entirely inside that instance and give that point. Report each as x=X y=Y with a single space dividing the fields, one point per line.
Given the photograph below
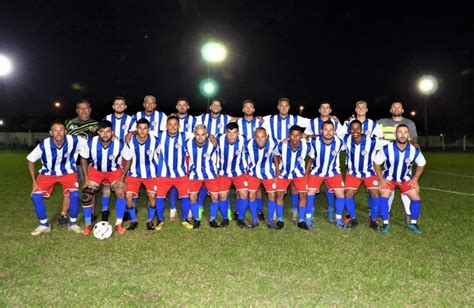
x=399 y=156
x=106 y=156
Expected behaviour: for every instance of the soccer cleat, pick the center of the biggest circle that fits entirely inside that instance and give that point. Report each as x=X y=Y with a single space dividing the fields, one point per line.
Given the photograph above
x=87 y=230
x=159 y=225
x=340 y=224
x=94 y=217
x=214 y=224
x=414 y=228
x=225 y=223
x=271 y=225
x=261 y=216
x=187 y=224
x=235 y=216
x=407 y=220
x=309 y=223
x=150 y=225
x=302 y=225
x=373 y=225
x=105 y=215
x=75 y=228
x=253 y=224
x=197 y=224
x=133 y=225
x=279 y=225
x=386 y=228
x=120 y=229
x=331 y=214
x=172 y=214
x=62 y=220
x=126 y=216
x=294 y=214
x=41 y=229
x=354 y=223
x=242 y=224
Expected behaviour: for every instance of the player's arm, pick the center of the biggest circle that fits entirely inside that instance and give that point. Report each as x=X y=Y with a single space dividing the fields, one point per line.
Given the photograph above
x=420 y=162
x=31 y=171
x=309 y=162
x=85 y=167
x=126 y=168
x=276 y=161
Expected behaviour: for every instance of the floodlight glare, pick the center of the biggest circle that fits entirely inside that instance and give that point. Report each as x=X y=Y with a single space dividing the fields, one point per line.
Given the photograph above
x=6 y=66
x=208 y=87
x=427 y=85
x=214 y=52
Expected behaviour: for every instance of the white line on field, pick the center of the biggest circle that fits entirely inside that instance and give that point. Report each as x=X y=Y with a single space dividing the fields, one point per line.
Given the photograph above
x=449 y=191
x=453 y=174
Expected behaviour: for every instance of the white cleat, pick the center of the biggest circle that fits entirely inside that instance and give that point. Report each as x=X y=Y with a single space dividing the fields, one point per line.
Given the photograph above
x=173 y=215
x=75 y=228
x=41 y=229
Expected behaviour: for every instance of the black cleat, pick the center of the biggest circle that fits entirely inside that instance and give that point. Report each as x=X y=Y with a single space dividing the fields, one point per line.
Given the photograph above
x=253 y=224
x=133 y=225
x=150 y=225
x=279 y=225
x=94 y=217
x=261 y=216
x=225 y=223
x=302 y=225
x=126 y=216
x=271 y=225
x=105 y=215
x=242 y=224
x=62 y=220
x=235 y=216
x=373 y=225
x=354 y=223
x=214 y=224
x=197 y=224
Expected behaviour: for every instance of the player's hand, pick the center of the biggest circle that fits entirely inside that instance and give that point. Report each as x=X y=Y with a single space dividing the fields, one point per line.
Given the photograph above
x=213 y=139
x=335 y=118
x=128 y=137
x=414 y=183
x=384 y=184
x=285 y=140
x=35 y=187
x=88 y=183
x=119 y=185
x=260 y=118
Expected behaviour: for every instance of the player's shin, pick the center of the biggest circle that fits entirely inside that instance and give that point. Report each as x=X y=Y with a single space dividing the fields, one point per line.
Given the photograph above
x=120 y=204
x=384 y=209
x=160 y=209
x=74 y=207
x=351 y=207
x=339 y=210
x=415 y=208
x=184 y=208
x=253 y=205
x=241 y=205
x=271 y=210
x=310 y=206
x=40 y=209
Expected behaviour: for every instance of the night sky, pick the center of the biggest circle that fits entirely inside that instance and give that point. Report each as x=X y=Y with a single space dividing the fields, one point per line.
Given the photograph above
x=305 y=52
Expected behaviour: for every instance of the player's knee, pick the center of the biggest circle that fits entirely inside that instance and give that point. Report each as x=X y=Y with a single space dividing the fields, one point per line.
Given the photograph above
x=87 y=195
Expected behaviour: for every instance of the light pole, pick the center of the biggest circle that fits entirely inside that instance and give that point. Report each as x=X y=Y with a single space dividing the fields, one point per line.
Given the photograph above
x=212 y=52
x=427 y=85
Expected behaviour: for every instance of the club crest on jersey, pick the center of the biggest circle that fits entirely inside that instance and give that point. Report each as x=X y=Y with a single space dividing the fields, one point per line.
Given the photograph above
x=267 y=154
x=124 y=126
x=367 y=133
x=111 y=157
x=206 y=155
x=237 y=152
x=289 y=125
x=364 y=152
x=148 y=152
x=219 y=125
x=93 y=129
x=66 y=155
x=73 y=126
x=177 y=145
x=334 y=153
x=407 y=161
x=154 y=123
x=300 y=159
x=187 y=125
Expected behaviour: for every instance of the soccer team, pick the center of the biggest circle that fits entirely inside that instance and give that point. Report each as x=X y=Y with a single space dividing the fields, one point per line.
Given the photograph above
x=186 y=157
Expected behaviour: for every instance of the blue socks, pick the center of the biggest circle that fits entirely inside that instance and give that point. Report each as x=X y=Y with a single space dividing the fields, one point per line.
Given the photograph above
x=279 y=209
x=195 y=210
x=173 y=196
x=202 y=196
x=120 y=205
x=294 y=202
x=241 y=205
x=271 y=210
x=374 y=208
x=339 y=208
x=310 y=206
x=301 y=213
x=40 y=209
x=369 y=204
x=151 y=213
x=160 y=208
x=415 y=207
x=330 y=197
x=259 y=205
x=383 y=208
x=213 y=210
x=87 y=211
x=73 y=207
x=185 y=205
x=133 y=214
x=351 y=207
x=253 y=209
x=105 y=203
x=224 y=209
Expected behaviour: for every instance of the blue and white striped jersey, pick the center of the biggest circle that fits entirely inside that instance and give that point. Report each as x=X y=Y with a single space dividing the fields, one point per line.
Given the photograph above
x=215 y=126
x=121 y=126
x=315 y=126
x=292 y=162
x=369 y=128
x=157 y=121
x=186 y=123
x=202 y=160
x=104 y=159
x=360 y=156
x=58 y=161
x=260 y=160
x=279 y=128
x=171 y=154
x=247 y=128
x=326 y=157
x=231 y=156
x=144 y=157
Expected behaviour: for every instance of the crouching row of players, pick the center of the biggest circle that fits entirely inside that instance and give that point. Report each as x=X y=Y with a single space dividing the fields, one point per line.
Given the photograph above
x=159 y=163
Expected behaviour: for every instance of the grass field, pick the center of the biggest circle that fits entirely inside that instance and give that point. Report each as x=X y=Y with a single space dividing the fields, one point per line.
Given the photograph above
x=261 y=267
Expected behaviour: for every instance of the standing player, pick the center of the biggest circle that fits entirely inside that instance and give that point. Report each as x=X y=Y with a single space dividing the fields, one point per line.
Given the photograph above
x=325 y=168
x=106 y=156
x=172 y=170
x=360 y=154
x=141 y=164
x=399 y=156
x=58 y=155
x=261 y=170
x=369 y=126
x=214 y=120
x=203 y=171
x=388 y=126
x=290 y=157
x=157 y=119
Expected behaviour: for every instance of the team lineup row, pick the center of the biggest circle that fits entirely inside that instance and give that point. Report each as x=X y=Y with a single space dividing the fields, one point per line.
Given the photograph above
x=215 y=152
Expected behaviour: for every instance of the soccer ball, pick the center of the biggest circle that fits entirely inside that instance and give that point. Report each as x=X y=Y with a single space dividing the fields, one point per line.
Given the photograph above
x=102 y=230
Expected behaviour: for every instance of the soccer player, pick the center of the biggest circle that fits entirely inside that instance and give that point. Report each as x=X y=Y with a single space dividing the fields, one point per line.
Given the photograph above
x=203 y=171
x=369 y=126
x=398 y=157
x=290 y=157
x=58 y=155
x=261 y=170
x=388 y=126
x=106 y=156
x=214 y=120
x=232 y=167
x=172 y=170
x=325 y=168
x=360 y=154
x=157 y=119
x=141 y=165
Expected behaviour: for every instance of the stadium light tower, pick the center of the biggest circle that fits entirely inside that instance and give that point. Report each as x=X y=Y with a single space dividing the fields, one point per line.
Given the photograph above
x=6 y=66
x=427 y=85
x=212 y=53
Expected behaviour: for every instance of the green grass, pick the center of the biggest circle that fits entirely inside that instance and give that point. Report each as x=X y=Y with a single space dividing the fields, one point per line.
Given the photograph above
x=261 y=267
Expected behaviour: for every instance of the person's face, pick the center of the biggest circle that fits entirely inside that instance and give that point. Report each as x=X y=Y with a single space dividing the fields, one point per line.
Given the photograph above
x=248 y=109
x=142 y=130
x=361 y=110
x=119 y=106
x=149 y=105
x=396 y=109
x=232 y=134
x=58 y=132
x=172 y=126
x=295 y=137
x=402 y=134
x=260 y=137
x=325 y=110
x=106 y=134
x=182 y=107
x=328 y=131
x=200 y=135
x=355 y=130
x=83 y=111
x=215 y=107
x=284 y=107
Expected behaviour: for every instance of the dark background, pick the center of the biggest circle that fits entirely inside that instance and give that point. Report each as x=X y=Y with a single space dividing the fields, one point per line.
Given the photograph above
x=307 y=51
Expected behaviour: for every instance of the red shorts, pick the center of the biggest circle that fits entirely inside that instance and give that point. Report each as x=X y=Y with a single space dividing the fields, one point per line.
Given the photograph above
x=240 y=182
x=403 y=186
x=211 y=185
x=165 y=184
x=353 y=182
x=300 y=184
x=98 y=177
x=332 y=182
x=46 y=183
x=254 y=183
x=133 y=185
